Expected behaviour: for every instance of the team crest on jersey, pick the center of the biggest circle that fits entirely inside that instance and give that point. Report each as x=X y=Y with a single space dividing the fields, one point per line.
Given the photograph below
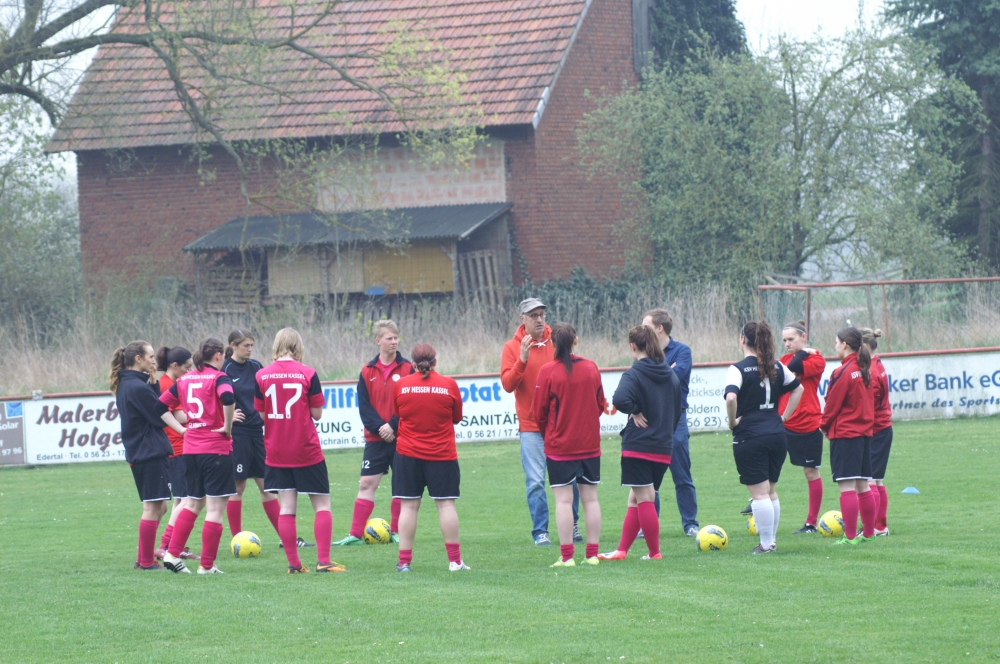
x=395 y=378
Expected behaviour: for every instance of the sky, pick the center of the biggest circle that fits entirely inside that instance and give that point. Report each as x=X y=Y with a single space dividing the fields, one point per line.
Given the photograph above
x=800 y=19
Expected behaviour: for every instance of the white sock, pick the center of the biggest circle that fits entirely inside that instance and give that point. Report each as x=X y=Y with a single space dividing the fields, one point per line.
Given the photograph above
x=776 y=506
x=763 y=516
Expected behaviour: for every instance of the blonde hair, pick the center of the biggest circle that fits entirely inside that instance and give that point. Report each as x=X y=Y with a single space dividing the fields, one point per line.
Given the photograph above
x=287 y=342
x=383 y=325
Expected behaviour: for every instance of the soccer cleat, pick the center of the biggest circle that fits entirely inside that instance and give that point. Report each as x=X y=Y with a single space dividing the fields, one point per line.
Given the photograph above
x=862 y=539
x=403 y=567
x=882 y=533
x=577 y=537
x=301 y=569
x=807 y=528
x=214 y=570
x=640 y=535
x=748 y=509
x=330 y=567
x=692 y=531
x=350 y=540
x=300 y=543
x=655 y=556
x=593 y=560
x=564 y=563
x=759 y=549
x=460 y=566
x=394 y=538
x=613 y=555
x=187 y=555
x=843 y=540
x=542 y=539
x=174 y=564
x=153 y=567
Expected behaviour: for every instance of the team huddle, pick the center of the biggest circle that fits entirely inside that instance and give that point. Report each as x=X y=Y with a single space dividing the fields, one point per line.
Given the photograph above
x=216 y=418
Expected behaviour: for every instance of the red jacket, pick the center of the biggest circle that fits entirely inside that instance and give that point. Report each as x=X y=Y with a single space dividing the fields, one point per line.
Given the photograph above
x=428 y=410
x=375 y=396
x=880 y=391
x=809 y=371
x=850 y=407
x=176 y=440
x=568 y=409
x=520 y=377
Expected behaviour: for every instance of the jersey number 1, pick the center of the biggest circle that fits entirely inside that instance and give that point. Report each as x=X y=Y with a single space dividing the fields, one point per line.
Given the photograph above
x=767 y=405
x=272 y=394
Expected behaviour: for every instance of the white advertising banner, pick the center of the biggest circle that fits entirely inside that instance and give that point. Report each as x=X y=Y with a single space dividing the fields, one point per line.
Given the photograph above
x=86 y=428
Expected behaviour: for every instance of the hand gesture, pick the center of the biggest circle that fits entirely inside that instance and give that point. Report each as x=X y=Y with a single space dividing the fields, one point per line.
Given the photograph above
x=526 y=347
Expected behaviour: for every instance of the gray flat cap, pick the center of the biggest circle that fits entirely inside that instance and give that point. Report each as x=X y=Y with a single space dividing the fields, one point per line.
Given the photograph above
x=530 y=304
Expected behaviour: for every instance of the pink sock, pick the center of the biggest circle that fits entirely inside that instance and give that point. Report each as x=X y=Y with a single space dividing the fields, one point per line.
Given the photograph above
x=454 y=552
x=815 y=500
x=883 y=507
x=650 y=523
x=211 y=534
x=630 y=529
x=405 y=556
x=592 y=548
x=165 y=540
x=182 y=530
x=866 y=505
x=878 y=502
x=567 y=551
x=147 y=540
x=849 y=512
x=323 y=531
x=234 y=513
x=362 y=510
x=272 y=509
x=289 y=538
x=395 y=506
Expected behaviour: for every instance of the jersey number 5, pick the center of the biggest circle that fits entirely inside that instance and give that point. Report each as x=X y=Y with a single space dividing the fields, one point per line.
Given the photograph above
x=272 y=394
x=195 y=401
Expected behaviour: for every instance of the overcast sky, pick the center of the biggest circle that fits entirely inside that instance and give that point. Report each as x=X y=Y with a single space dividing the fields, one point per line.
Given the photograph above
x=800 y=19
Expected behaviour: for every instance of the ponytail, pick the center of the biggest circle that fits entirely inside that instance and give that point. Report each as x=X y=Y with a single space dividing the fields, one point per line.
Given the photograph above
x=563 y=337
x=124 y=358
x=854 y=339
x=871 y=337
x=424 y=358
x=760 y=338
x=646 y=342
x=166 y=356
x=208 y=349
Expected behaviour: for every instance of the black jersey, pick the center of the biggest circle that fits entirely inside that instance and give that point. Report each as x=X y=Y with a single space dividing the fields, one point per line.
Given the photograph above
x=756 y=399
x=244 y=377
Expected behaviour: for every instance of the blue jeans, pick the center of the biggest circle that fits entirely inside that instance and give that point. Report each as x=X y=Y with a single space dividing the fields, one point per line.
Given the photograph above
x=680 y=471
x=533 y=461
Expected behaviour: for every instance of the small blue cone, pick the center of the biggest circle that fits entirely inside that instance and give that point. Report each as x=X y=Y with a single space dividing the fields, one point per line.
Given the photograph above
x=912 y=490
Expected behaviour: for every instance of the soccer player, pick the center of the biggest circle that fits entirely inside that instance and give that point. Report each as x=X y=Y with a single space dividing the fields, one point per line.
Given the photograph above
x=753 y=387
x=428 y=406
x=569 y=400
x=375 y=390
x=206 y=396
x=804 y=439
x=848 y=421
x=147 y=448
x=649 y=388
x=248 y=435
x=882 y=432
x=290 y=397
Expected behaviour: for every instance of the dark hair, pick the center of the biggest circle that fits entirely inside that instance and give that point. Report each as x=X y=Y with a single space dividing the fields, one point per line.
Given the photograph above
x=123 y=358
x=662 y=318
x=209 y=347
x=178 y=355
x=871 y=337
x=759 y=337
x=424 y=358
x=238 y=336
x=799 y=326
x=854 y=339
x=563 y=336
x=646 y=342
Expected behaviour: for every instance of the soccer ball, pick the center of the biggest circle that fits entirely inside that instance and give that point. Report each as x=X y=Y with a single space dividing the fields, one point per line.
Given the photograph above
x=751 y=525
x=712 y=538
x=245 y=545
x=831 y=524
x=377 y=532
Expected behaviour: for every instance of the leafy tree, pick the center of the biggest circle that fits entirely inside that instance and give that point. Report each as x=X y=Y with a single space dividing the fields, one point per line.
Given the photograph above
x=681 y=29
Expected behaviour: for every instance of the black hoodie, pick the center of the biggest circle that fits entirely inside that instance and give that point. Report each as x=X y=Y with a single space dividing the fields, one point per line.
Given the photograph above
x=140 y=408
x=653 y=389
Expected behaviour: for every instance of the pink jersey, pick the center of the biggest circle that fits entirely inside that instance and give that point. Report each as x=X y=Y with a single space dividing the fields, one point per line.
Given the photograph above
x=286 y=390
x=199 y=394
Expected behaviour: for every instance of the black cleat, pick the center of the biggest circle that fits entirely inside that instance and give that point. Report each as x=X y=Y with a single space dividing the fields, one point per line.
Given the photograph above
x=807 y=528
x=748 y=509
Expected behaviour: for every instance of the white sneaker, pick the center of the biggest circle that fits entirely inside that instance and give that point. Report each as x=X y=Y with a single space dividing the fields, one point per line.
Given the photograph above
x=460 y=566
x=174 y=564
x=882 y=533
x=214 y=570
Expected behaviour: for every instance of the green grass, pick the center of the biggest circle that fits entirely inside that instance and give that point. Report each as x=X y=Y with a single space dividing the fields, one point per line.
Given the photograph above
x=929 y=592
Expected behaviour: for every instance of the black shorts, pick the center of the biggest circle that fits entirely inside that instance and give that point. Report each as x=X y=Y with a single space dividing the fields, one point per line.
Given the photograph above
x=210 y=475
x=805 y=449
x=248 y=453
x=851 y=458
x=881 y=443
x=312 y=479
x=642 y=472
x=581 y=471
x=177 y=475
x=411 y=476
x=759 y=459
x=151 y=480
x=378 y=458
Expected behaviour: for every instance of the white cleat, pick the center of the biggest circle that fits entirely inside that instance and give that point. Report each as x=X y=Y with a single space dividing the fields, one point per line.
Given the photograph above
x=881 y=533
x=174 y=564
x=460 y=566
x=214 y=570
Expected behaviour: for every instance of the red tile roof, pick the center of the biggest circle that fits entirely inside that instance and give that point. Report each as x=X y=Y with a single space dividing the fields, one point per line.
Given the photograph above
x=509 y=50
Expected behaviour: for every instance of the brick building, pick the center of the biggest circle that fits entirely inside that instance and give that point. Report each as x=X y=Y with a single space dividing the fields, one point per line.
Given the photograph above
x=523 y=204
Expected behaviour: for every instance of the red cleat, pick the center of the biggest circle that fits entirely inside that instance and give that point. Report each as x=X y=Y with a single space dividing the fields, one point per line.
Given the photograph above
x=613 y=555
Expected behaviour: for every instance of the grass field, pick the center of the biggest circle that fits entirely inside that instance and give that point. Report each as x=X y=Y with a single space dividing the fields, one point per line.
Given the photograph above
x=928 y=593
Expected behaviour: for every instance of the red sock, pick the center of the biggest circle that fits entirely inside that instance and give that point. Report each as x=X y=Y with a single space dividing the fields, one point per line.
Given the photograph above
x=234 y=513
x=592 y=548
x=272 y=509
x=211 y=533
x=650 y=523
x=362 y=510
x=165 y=540
x=849 y=512
x=323 y=531
x=396 y=505
x=182 y=530
x=866 y=505
x=147 y=540
x=567 y=551
x=630 y=528
x=405 y=556
x=454 y=552
x=289 y=538
x=878 y=500
x=815 y=500
x=883 y=506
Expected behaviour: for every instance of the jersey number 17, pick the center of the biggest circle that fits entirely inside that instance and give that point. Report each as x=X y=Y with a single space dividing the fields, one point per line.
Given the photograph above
x=272 y=394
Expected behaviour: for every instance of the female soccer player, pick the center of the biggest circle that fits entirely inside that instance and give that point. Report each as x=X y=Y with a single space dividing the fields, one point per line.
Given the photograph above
x=375 y=389
x=147 y=448
x=753 y=387
x=206 y=396
x=882 y=432
x=248 y=435
x=802 y=434
x=290 y=397
x=428 y=406
x=650 y=389
x=848 y=421
x=569 y=400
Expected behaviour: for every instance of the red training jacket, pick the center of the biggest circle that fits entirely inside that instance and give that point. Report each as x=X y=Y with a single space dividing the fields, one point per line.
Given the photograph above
x=375 y=396
x=568 y=409
x=520 y=377
x=808 y=413
x=428 y=410
x=880 y=390
x=850 y=407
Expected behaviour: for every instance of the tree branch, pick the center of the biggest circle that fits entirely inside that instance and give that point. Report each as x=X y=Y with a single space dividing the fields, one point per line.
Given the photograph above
x=47 y=104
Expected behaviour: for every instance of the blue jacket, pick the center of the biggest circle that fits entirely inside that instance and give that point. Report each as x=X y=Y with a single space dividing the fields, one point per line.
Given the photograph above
x=653 y=389
x=679 y=358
